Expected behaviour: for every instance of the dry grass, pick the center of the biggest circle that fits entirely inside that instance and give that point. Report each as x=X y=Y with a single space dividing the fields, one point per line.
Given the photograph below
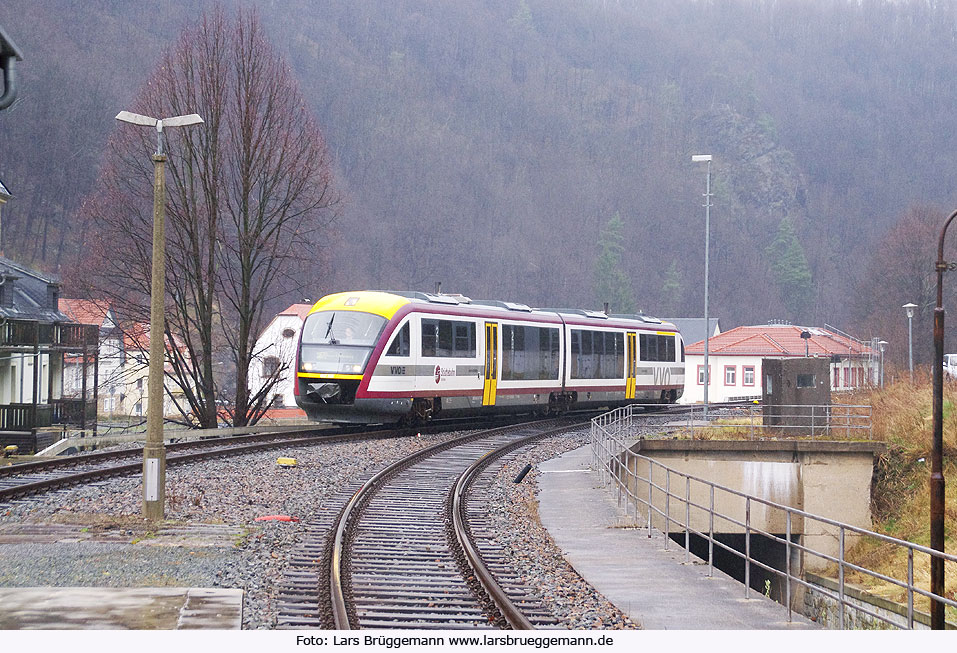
x=903 y=419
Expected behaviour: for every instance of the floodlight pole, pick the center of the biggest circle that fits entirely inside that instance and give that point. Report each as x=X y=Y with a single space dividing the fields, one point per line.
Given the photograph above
x=937 y=452
x=702 y=158
x=154 y=453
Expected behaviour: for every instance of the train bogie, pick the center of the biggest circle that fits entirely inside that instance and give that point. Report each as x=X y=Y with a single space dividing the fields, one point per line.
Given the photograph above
x=369 y=357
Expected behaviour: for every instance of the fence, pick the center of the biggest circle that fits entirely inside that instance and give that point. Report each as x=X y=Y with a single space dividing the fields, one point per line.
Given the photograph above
x=643 y=482
x=832 y=420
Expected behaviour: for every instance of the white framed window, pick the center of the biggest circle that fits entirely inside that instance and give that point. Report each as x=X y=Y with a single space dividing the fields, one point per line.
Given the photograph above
x=747 y=375
x=730 y=374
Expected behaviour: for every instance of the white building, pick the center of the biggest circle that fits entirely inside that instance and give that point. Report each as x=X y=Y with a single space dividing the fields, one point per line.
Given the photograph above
x=735 y=360
x=275 y=354
x=123 y=359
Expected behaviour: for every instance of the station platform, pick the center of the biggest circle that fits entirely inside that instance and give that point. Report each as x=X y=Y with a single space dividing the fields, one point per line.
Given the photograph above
x=654 y=586
x=102 y=608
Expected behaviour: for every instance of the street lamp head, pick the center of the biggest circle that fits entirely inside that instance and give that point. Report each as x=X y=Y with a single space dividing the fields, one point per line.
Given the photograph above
x=147 y=121
x=882 y=344
x=700 y=158
x=909 y=309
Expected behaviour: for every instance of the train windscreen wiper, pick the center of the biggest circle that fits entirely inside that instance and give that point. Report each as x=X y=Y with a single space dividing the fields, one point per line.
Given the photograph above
x=332 y=340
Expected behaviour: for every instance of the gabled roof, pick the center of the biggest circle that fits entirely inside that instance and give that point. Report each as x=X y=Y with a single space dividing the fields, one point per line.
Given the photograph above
x=88 y=311
x=31 y=293
x=779 y=340
x=3 y=190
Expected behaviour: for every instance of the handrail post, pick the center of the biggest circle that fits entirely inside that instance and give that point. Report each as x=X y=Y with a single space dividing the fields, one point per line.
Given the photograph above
x=840 y=574
x=787 y=564
x=651 y=487
x=910 y=588
x=711 y=534
x=687 y=519
x=747 y=547
x=667 y=506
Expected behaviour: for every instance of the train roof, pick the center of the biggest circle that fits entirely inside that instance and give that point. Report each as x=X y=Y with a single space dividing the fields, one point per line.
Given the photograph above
x=388 y=302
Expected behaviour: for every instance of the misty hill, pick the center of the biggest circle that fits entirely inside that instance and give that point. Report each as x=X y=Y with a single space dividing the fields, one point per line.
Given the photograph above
x=484 y=145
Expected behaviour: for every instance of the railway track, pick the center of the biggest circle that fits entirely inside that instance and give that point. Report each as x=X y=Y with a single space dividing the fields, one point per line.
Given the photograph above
x=35 y=477
x=404 y=552
x=24 y=479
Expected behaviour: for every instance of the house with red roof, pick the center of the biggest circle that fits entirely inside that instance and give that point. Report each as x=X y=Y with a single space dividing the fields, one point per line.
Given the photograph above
x=275 y=356
x=735 y=356
x=123 y=362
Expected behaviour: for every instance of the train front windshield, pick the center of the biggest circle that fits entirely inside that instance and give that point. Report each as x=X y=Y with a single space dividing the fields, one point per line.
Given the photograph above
x=338 y=342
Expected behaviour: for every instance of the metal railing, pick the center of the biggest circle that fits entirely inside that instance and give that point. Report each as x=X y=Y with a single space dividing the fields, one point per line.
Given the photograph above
x=830 y=420
x=643 y=482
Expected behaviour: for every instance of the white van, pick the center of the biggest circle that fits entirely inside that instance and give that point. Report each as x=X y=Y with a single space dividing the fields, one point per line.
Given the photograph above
x=950 y=365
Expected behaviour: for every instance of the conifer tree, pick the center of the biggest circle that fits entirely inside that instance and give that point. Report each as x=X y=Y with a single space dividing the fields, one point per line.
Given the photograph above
x=612 y=284
x=792 y=275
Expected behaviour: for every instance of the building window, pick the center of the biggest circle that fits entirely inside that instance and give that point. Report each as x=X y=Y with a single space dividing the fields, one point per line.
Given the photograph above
x=747 y=375
x=270 y=367
x=837 y=378
x=730 y=374
x=847 y=377
x=701 y=374
x=806 y=381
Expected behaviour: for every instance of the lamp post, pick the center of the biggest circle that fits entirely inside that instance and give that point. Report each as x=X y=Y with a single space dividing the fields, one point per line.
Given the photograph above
x=154 y=453
x=937 y=452
x=882 y=344
x=706 y=158
x=909 y=310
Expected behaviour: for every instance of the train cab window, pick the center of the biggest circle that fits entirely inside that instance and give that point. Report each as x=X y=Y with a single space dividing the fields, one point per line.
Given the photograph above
x=401 y=342
x=448 y=339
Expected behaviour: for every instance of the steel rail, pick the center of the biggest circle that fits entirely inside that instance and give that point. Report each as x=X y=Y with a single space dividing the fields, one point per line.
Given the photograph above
x=512 y=613
x=228 y=447
x=339 y=601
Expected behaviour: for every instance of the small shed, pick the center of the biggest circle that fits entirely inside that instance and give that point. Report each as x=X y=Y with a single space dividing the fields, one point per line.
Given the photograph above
x=793 y=388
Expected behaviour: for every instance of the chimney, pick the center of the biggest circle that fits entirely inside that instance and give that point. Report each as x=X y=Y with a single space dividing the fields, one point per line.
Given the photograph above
x=53 y=296
x=6 y=290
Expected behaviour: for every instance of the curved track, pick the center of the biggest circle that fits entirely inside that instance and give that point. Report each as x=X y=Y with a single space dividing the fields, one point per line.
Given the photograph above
x=403 y=557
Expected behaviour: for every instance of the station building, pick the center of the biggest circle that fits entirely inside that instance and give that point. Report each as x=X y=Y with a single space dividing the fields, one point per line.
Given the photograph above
x=735 y=356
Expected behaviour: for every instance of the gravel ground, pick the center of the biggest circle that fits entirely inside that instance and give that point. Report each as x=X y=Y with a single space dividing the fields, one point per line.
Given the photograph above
x=119 y=549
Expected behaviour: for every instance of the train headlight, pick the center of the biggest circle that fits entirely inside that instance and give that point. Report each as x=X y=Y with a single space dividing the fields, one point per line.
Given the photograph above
x=356 y=369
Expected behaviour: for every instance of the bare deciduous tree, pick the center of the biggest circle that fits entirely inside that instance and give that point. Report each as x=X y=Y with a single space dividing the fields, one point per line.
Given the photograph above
x=250 y=192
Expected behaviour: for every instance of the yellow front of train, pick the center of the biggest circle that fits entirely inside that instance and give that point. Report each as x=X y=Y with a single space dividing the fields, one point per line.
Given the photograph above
x=339 y=336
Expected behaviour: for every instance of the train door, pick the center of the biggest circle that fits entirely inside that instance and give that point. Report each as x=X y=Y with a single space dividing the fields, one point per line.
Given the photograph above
x=491 y=363
x=631 y=352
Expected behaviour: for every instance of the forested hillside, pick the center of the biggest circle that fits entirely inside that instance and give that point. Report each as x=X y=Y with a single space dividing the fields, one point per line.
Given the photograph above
x=487 y=145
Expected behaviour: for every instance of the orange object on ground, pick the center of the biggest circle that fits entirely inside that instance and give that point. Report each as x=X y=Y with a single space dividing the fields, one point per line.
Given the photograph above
x=277 y=518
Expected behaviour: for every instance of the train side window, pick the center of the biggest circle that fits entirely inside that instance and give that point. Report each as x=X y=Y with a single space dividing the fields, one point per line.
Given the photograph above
x=401 y=342
x=448 y=339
